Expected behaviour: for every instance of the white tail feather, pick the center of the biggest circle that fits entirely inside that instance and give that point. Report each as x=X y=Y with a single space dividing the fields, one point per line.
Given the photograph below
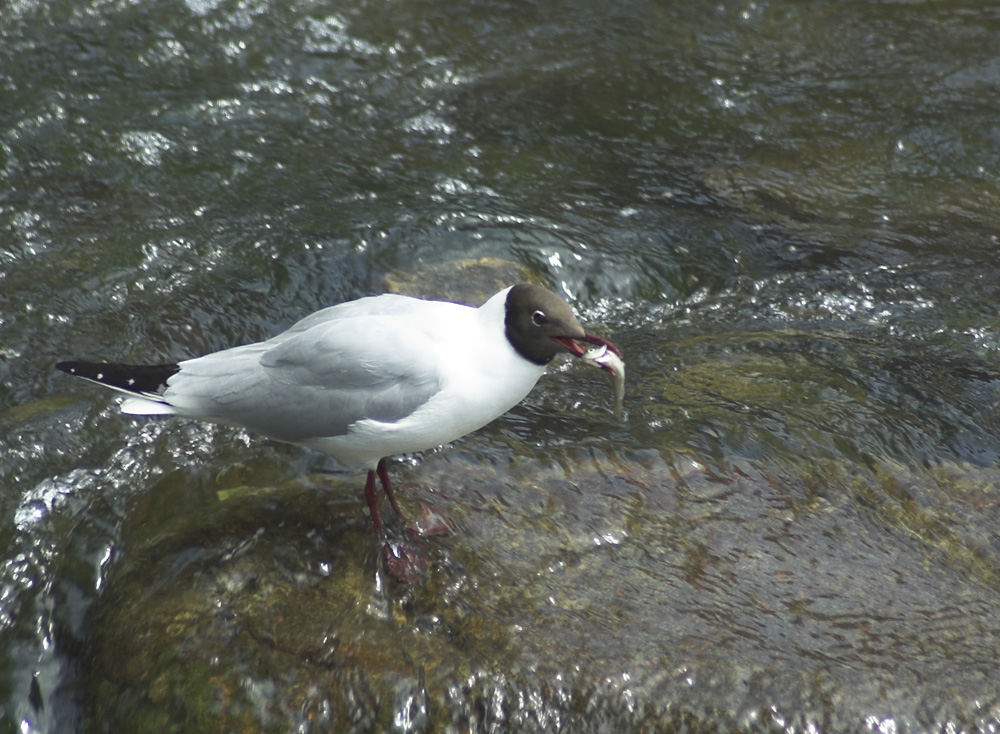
x=143 y=406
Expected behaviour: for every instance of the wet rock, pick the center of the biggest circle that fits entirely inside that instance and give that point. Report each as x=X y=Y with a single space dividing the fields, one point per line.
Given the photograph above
x=590 y=593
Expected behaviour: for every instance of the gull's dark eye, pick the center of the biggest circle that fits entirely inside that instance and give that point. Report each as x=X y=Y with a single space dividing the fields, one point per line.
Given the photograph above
x=539 y=318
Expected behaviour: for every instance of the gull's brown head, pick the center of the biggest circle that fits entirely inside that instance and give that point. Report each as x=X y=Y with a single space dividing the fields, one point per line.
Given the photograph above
x=540 y=325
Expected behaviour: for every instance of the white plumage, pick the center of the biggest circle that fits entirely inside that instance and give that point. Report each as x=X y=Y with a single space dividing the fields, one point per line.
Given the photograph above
x=366 y=379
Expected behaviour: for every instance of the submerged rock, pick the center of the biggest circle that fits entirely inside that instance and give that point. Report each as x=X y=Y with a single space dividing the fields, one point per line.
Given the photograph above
x=592 y=593
x=470 y=280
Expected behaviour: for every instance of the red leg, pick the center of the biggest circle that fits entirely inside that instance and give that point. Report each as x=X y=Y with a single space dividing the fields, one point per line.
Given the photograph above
x=402 y=561
x=428 y=523
x=372 y=499
x=383 y=474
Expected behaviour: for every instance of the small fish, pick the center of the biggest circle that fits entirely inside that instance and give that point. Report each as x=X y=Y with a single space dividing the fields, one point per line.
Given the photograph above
x=612 y=363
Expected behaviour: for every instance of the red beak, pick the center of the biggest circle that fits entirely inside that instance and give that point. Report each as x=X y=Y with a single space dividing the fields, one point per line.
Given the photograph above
x=572 y=344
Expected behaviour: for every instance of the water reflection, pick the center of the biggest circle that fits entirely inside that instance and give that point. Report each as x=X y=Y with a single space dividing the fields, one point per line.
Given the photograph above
x=784 y=213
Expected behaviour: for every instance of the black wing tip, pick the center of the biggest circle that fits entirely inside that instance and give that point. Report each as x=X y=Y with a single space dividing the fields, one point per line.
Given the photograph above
x=146 y=378
x=83 y=368
x=70 y=367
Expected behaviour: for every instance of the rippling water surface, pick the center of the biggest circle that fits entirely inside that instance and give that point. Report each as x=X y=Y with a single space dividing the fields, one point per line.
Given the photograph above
x=786 y=214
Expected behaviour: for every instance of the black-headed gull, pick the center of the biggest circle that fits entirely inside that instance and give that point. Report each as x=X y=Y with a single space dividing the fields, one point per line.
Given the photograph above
x=367 y=379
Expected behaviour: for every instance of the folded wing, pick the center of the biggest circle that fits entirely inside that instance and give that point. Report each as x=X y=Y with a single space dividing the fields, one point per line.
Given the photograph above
x=314 y=381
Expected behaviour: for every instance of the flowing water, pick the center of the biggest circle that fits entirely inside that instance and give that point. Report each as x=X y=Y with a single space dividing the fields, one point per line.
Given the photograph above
x=787 y=215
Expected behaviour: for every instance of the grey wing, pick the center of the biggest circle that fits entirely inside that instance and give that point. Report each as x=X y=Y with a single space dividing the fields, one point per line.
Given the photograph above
x=387 y=304
x=313 y=383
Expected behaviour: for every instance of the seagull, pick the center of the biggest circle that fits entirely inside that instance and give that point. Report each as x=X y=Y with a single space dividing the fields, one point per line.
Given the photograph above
x=368 y=379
